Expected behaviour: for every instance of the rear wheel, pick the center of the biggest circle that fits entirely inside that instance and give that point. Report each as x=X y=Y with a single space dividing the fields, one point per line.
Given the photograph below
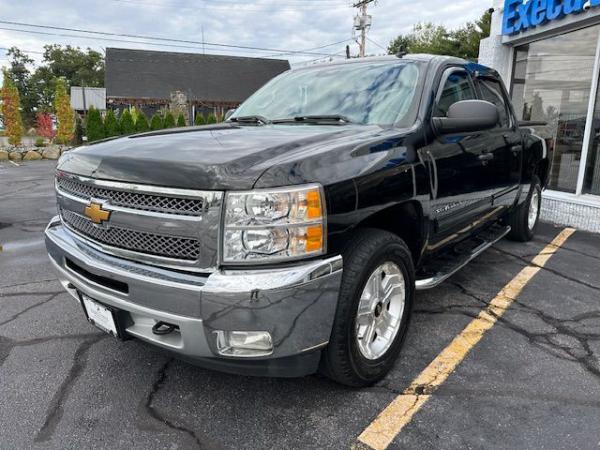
x=373 y=309
x=524 y=219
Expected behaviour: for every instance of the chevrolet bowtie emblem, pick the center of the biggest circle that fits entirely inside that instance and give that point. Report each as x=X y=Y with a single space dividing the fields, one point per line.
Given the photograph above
x=96 y=214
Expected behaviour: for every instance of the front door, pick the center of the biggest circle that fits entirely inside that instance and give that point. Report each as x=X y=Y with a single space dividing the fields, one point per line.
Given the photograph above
x=462 y=190
x=503 y=169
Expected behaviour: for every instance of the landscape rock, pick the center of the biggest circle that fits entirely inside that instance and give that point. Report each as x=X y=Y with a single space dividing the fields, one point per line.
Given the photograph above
x=32 y=155
x=51 y=152
x=3 y=155
x=15 y=156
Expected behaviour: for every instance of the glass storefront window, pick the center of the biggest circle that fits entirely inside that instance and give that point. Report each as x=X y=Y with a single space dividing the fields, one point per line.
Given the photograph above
x=552 y=80
x=591 y=182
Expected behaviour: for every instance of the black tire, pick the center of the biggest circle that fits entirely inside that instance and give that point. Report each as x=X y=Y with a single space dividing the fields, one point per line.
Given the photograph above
x=518 y=219
x=342 y=360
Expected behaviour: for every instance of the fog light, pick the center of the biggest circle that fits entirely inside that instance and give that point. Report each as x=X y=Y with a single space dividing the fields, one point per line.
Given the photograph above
x=244 y=343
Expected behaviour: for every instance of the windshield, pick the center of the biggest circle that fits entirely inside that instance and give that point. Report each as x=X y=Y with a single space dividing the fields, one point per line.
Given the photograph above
x=378 y=93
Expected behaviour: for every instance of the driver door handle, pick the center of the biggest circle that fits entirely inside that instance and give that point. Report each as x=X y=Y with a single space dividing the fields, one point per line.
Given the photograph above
x=516 y=148
x=486 y=157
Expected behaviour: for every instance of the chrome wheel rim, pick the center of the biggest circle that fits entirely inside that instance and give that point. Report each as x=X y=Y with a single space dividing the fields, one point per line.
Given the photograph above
x=380 y=310
x=534 y=207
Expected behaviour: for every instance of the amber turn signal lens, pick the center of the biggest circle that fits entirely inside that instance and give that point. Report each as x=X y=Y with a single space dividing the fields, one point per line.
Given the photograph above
x=314 y=238
x=313 y=205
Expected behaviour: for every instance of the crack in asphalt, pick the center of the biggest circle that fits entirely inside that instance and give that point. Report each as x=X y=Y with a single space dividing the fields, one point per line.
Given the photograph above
x=29 y=308
x=32 y=293
x=546 y=341
x=55 y=410
x=7 y=344
x=563 y=247
x=552 y=271
x=8 y=286
x=153 y=412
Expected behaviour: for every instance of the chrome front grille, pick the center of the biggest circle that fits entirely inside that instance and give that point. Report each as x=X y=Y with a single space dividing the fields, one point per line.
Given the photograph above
x=169 y=227
x=152 y=244
x=133 y=200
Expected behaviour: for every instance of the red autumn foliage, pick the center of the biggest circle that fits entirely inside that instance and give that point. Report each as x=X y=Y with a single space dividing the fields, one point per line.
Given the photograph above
x=44 y=125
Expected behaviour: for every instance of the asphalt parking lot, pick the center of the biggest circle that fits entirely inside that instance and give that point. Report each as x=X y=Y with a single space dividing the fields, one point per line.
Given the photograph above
x=533 y=381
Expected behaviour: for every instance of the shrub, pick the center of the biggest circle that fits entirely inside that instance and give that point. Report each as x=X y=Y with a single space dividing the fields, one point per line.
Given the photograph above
x=181 y=120
x=40 y=142
x=141 y=123
x=11 y=111
x=43 y=125
x=211 y=118
x=64 y=113
x=94 y=126
x=156 y=123
x=127 y=125
x=169 y=120
x=78 y=135
x=111 y=124
x=199 y=119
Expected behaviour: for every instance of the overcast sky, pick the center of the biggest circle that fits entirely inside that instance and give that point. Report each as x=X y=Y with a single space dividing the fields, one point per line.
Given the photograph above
x=276 y=24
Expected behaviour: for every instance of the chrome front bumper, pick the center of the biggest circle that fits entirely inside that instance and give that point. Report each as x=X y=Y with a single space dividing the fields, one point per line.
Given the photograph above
x=295 y=304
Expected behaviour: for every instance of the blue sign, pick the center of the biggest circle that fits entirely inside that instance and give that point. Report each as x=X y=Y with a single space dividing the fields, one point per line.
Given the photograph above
x=521 y=15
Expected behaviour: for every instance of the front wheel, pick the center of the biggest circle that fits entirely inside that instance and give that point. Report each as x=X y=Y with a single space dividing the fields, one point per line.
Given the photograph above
x=373 y=311
x=524 y=219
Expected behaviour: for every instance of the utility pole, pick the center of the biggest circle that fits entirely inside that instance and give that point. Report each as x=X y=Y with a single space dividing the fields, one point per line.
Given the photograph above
x=362 y=22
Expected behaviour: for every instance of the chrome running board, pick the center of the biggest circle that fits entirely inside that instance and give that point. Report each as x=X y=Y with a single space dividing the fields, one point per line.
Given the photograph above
x=447 y=265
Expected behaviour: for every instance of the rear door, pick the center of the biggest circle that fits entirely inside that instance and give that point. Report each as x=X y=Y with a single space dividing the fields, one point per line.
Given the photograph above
x=503 y=164
x=461 y=188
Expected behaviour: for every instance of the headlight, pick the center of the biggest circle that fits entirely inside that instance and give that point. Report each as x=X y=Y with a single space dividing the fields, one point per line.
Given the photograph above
x=274 y=224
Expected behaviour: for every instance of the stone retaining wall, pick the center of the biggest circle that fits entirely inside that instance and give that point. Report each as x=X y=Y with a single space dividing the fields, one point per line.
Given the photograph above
x=32 y=153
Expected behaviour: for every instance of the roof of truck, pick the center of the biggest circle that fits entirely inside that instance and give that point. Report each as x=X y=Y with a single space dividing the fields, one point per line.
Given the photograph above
x=424 y=57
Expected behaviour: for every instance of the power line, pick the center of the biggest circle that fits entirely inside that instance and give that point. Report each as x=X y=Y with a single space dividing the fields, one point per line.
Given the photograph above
x=378 y=45
x=240 y=6
x=316 y=48
x=24 y=51
x=152 y=38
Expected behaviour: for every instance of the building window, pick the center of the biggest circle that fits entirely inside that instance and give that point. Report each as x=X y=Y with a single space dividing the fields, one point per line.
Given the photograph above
x=552 y=80
x=591 y=182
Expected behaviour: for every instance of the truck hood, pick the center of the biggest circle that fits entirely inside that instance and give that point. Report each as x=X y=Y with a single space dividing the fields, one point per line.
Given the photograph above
x=224 y=156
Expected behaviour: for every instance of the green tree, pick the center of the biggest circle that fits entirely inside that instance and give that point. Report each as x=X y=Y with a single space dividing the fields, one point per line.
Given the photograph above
x=211 y=118
x=141 y=123
x=78 y=135
x=127 y=125
x=78 y=67
x=436 y=39
x=181 y=120
x=111 y=124
x=11 y=110
x=94 y=126
x=199 y=120
x=64 y=113
x=169 y=120
x=157 y=122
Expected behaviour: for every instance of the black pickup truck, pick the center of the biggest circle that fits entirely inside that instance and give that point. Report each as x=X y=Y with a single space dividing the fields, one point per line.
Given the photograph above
x=292 y=237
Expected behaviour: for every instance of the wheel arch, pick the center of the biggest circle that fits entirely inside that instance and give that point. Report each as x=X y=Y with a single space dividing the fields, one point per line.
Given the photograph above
x=405 y=220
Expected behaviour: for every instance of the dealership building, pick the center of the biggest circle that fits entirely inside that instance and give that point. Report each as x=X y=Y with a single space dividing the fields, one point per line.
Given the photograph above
x=548 y=52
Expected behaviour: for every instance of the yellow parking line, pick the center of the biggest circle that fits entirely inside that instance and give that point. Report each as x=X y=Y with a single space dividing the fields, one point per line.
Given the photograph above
x=382 y=431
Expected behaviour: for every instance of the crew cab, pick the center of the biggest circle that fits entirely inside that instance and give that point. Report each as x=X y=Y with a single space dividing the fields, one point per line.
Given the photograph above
x=293 y=236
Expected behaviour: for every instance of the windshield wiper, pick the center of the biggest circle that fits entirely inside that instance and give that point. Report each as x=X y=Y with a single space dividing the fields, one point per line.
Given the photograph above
x=315 y=119
x=250 y=119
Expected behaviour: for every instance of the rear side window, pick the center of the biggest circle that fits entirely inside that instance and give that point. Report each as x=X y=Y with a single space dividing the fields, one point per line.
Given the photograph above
x=456 y=88
x=491 y=91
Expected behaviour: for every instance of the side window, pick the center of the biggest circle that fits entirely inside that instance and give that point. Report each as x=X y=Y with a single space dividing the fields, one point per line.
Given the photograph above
x=457 y=87
x=491 y=91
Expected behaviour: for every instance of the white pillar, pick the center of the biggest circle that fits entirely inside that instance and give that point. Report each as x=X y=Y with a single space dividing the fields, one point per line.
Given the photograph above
x=492 y=52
